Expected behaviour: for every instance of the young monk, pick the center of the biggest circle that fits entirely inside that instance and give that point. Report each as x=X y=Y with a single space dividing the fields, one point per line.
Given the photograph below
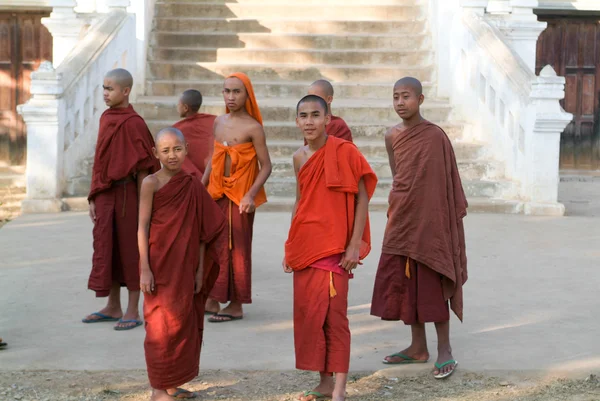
x=423 y=262
x=328 y=237
x=123 y=159
x=235 y=177
x=178 y=218
x=337 y=126
x=197 y=129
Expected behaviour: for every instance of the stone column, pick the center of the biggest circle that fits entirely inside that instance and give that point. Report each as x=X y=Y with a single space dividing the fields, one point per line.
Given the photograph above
x=116 y=4
x=499 y=7
x=44 y=142
x=544 y=145
x=65 y=28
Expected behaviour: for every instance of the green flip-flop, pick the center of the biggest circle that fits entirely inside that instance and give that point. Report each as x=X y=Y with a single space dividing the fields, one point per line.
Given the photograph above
x=318 y=396
x=406 y=360
x=440 y=366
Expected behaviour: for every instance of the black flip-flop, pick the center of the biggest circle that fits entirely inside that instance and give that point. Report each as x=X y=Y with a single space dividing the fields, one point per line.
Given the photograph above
x=2 y=345
x=229 y=318
x=179 y=391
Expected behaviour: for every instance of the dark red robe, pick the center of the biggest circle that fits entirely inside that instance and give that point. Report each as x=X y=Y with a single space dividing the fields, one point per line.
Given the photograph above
x=124 y=147
x=183 y=216
x=198 y=132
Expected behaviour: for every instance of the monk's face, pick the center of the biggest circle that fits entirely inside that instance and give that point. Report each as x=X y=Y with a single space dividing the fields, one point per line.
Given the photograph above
x=182 y=109
x=318 y=91
x=170 y=151
x=311 y=119
x=407 y=101
x=114 y=94
x=234 y=94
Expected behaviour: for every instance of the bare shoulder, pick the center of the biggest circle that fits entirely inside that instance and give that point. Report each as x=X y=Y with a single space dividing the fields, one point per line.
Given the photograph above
x=391 y=132
x=299 y=158
x=253 y=127
x=151 y=182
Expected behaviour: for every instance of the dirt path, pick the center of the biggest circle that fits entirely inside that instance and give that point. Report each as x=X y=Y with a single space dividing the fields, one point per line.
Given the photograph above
x=131 y=385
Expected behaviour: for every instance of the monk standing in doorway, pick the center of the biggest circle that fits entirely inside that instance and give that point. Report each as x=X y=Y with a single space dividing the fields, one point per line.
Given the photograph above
x=423 y=264
x=235 y=177
x=123 y=159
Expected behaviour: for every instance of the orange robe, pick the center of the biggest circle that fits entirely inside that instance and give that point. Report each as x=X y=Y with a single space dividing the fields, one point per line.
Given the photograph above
x=322 y=227
x=124 y=147
x=183 y=216
x=198 y=132
x=235 y=253
x=427 y=206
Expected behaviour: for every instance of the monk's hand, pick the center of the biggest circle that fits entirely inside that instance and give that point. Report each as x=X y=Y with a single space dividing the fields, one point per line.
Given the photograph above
x=247 y=204
x=93 y=211
x=147 y=281
x=199 y=282
x=286 y=267
x=350 y=258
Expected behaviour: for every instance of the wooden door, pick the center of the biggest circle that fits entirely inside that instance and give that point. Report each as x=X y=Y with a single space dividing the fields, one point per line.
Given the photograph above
x=572 y=46
x=24 y=43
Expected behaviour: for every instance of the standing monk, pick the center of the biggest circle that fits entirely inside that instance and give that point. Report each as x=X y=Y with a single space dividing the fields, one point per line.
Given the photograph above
x=423 y=262
x=337 y=126
x=197 y=129
x=328 y=237
x=123 y=159
x=178 y=218
x=235 y=177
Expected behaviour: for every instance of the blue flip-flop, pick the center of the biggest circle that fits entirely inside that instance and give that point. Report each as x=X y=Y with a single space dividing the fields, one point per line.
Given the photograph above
x=103 y=318
x=137 y=323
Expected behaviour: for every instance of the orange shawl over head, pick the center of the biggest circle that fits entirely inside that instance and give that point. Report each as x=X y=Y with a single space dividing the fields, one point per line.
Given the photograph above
x=324 y=219
x=244 y=169
x=427 y=205
x=251 y=104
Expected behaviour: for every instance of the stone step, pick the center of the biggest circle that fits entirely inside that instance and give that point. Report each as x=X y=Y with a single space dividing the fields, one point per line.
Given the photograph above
x=379 y=204
x=265 y=9
x=182 y=70
x=286 y=187
x=292 y=56
x=289 y=89
x=10 y=192
x=469 y=169
x=284 y=109
x=338 y=3
x=279 y=25
x=291 y=41
x=8 y=180
x=287 y=130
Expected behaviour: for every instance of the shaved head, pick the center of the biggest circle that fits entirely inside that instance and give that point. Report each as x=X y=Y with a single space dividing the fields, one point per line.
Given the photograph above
x=412 y=83
x=192 y=98
x=170 y=131
x=321 y=88
x=310 y=99
x=121 y=77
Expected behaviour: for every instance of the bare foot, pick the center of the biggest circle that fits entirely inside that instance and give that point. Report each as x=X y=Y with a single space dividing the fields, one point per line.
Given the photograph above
x=113 y=312
x=128 y=321
x=325 y=388
x=412 y=352
x=212 y=306
x=444 y=355
x=180 y=393
x=160 y=395
x=234 y=309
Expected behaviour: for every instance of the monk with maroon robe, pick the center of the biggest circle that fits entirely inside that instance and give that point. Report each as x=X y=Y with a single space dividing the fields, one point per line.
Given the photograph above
x=239 y=168
x=123 y=159
x=337 y=126
x=423 y=264
x=328 y=237
x=197 y=129
x=178 y=220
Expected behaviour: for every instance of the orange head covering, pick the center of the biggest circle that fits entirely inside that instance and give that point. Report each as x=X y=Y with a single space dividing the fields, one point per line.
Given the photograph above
x=251 y=104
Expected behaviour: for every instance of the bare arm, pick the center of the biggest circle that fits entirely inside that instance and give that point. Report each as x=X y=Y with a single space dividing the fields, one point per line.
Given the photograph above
x=148 y=188
x=297 y=161
x=200 y=270
x=206 y=175
x=351 y=258
x=262 y=153
x=390 y=150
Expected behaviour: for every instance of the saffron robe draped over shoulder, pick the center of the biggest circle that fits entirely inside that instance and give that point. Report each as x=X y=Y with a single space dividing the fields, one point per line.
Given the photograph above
x=426 y=207
x=183 y=216
x=324 y=220
x=198 y=132
x=243 y=173
x=124 y=147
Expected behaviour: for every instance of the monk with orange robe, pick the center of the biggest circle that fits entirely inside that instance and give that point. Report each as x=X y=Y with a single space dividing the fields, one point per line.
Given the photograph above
x=178 y=218
x=337 y=126
x=423 y=263
x=328 y=237
x=235 y=177
x=123 y=159
x=197 y=129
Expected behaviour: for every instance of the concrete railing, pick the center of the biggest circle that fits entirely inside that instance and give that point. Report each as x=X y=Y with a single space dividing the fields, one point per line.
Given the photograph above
x=63 y=113
x=494 y=89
